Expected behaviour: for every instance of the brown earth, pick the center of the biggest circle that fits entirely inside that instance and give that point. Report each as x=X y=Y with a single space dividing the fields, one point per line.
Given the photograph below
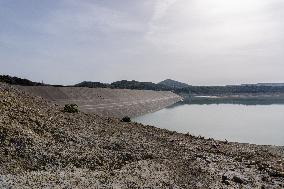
x=43 y=147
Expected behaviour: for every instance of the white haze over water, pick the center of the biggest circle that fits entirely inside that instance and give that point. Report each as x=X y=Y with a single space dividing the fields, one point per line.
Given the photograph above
x=200 y=42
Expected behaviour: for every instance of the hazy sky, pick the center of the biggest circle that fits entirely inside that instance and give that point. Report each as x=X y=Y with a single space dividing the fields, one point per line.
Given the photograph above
x=201 y=42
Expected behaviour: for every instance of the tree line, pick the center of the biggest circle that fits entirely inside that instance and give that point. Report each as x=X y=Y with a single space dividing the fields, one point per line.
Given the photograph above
x=190 y=90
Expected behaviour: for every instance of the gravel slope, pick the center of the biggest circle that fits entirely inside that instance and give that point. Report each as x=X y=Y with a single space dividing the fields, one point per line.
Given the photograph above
x=42 y=147
x=106 y=102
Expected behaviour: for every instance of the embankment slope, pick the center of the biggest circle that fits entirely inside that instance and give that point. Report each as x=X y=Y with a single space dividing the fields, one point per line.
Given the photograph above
x=106 y=102
x=42 y=147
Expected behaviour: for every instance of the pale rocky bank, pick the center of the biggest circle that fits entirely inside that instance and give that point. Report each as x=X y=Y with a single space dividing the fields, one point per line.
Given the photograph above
x=43 y=147
x=104 y=101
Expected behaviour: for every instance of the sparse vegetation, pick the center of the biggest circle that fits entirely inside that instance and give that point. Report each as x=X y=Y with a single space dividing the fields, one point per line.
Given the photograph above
x=126 y=119
x=71 y=108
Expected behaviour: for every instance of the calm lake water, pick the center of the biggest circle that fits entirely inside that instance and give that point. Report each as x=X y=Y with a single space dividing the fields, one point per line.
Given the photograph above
x=256 y=124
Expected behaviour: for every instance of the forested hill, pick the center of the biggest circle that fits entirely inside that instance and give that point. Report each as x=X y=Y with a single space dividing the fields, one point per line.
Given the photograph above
x=124 y=84
x=18 y=81
x=174 y=86
x=200 y=90
x=230 y=90
x=91 y=84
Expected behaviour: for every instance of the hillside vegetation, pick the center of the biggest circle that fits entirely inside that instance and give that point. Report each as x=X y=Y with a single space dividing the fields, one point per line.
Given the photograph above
x=166 y=85
x=18 y=81
x=174 y=84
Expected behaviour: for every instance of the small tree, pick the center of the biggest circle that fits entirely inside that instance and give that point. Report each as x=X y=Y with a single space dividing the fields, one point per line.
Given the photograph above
x=126 y=119
x=71 y=108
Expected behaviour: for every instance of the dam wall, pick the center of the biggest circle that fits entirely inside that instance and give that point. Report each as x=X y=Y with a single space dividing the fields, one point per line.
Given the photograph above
x=104 y=101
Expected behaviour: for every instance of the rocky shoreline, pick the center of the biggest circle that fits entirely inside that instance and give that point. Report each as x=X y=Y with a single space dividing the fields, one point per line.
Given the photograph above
x=104 y=101
x=43 y=147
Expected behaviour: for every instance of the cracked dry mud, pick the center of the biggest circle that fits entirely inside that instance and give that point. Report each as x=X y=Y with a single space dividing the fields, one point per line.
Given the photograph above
x=43 y=147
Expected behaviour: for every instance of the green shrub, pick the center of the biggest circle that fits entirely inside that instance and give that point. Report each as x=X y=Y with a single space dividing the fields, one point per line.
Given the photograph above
x=126 y=119
x=71 y=108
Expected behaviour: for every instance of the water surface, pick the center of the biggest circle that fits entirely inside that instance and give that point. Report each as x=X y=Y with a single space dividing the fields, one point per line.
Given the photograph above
x=257 y=124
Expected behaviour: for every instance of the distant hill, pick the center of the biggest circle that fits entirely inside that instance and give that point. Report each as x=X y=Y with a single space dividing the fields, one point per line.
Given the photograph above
x=266 y=84
x=174 y=84
x=18 y=81
x=91 y=84
x=166 y=85
x=124 y=84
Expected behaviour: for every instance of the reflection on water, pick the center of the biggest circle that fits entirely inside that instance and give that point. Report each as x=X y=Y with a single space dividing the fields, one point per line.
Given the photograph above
x=232 y=100
x=240 y=120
